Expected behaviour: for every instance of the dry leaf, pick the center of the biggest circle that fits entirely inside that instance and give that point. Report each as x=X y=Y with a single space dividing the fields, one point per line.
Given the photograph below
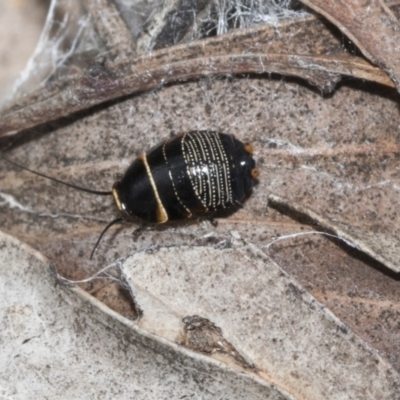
x=371 y=25
x=62 y=343
x=250 y=51
x=337 y=154
x=266 y=320
x=375 y=245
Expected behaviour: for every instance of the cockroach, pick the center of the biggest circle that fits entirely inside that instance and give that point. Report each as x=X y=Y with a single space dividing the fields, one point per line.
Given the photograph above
x=193 y=174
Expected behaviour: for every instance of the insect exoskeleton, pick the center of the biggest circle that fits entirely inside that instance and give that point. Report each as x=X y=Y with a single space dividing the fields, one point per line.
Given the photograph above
x=192 y=174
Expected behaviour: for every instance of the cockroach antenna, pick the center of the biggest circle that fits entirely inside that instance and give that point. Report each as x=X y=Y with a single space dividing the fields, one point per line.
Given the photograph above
x=82 y=189
x=71 y=185
x=109 y=225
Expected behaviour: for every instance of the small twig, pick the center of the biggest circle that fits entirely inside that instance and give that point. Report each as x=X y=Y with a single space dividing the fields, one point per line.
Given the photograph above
x=111 y=28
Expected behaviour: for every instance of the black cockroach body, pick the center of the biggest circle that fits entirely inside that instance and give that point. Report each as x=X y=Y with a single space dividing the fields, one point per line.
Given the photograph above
x=193 y=174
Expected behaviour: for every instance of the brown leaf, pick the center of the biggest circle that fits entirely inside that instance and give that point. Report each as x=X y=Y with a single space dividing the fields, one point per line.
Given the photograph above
x=264 y=316
x=371 y=25
x=380 y=247
x=307 y=162
x=336 y=154
x=56 y=334
x=259 y=50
